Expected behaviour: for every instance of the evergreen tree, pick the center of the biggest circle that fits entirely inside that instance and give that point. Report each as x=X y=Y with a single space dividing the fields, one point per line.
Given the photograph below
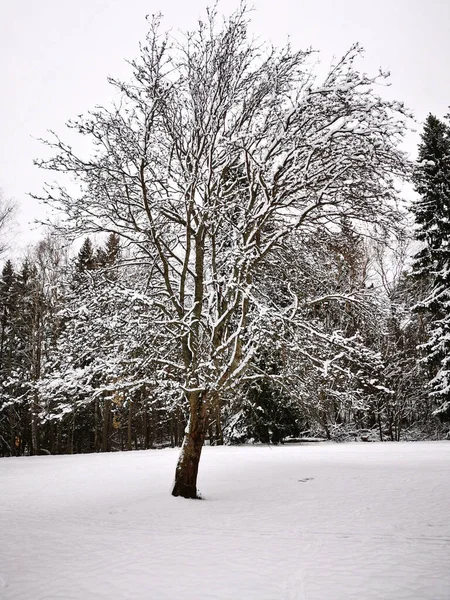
x=7 y=313
x=86 y=257
x=432 y=264
x=108 y=256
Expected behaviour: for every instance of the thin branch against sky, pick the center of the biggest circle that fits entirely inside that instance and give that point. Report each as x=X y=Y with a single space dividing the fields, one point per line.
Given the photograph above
x=56 y=58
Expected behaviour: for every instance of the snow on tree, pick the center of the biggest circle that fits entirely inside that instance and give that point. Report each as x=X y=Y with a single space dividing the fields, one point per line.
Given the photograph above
x=21 y=350
x=323 y=364
x=403 y=331
x=432 y=264
x=86 y=257
x=8 y=304
x=92 y=370
x=7 y=211
x=218 y=149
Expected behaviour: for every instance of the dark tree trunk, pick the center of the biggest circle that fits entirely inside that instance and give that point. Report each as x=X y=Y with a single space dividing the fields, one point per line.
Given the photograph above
x=34 y=427
x=187 y=467
x=219 y=432
x=12 y=433
x=176 y=428
x=211 y=435
x=70 y=435
x=380 y=428
x=59 y=438
x=181 y=428
x=171 y=432
x=129 y=425
x=152 y=429
x=146 y=428
x=327 y=430
x=96 y=436
x=106 y=425
x=391 y=429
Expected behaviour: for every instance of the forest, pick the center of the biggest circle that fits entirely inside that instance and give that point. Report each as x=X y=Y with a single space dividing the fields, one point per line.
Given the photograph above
x=235 y=262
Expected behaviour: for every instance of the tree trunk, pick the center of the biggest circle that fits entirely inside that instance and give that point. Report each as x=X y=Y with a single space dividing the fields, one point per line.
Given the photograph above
x=171 y=433
x=187 y=468
x=146 y=428
x=380 y=428
x=219 y=432
x=59 y=438
x=96 y=436
x=70 y=435
x=176 y=427
x=34 y=427
x=12 y=433
x=129 y=425
x=106 y=419
x=152 y=429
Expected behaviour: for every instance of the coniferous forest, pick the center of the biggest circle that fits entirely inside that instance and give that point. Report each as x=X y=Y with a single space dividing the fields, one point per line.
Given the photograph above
x=244 y=266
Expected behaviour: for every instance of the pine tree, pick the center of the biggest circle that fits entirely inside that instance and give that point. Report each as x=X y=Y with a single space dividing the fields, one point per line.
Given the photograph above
x=7 y=312
x=107 y=256
x=432 y=264
x=86 y=257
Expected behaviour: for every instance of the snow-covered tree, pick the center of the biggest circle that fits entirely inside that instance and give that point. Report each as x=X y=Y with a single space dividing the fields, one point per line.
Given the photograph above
x=320 y=362
x=8 y=303
x=23 y=309
x=219 y=149
x=86 y=257
x=7 y=211
x=82 y=368
x=432 y=264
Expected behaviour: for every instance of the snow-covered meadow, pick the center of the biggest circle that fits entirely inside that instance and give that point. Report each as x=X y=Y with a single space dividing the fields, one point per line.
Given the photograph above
x=313 y=522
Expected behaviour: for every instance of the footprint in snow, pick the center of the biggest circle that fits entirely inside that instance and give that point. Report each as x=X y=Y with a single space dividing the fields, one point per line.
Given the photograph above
x=306 y=479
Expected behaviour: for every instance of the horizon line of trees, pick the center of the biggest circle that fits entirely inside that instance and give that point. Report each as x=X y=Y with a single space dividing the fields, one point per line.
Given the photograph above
x=75 y=330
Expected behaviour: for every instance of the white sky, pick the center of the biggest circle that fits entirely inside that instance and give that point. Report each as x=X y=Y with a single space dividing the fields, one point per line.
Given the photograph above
x=55 y=56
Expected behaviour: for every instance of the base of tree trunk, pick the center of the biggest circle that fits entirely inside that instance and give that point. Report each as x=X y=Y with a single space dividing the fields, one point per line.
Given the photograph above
x=187 y=467
x=185 y=491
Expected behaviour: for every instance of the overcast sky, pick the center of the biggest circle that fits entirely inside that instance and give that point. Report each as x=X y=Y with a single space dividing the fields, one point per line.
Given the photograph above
x=56 y=55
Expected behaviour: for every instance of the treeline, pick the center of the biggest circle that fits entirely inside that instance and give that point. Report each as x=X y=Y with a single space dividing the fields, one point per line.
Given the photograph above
x=70 y=368
x=252 y=280
x=76 y=347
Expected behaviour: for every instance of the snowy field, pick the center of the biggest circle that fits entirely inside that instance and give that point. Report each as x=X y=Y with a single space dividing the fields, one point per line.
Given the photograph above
x=318 y=522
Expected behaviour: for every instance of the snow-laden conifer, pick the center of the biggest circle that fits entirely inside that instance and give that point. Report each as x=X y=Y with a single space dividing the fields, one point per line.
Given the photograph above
x=432 y=263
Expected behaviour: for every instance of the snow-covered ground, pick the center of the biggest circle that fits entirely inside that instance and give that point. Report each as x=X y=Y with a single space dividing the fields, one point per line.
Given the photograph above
x=322 y=522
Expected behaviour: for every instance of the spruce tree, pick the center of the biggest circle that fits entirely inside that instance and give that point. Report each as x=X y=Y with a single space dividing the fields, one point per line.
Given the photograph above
x=86 y=257
x=107 y=256
x=8 y=302
x=432 y=263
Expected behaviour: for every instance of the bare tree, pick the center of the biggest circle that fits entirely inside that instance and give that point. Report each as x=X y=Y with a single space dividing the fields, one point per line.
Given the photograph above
x=217 y=150
x=7 y=211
